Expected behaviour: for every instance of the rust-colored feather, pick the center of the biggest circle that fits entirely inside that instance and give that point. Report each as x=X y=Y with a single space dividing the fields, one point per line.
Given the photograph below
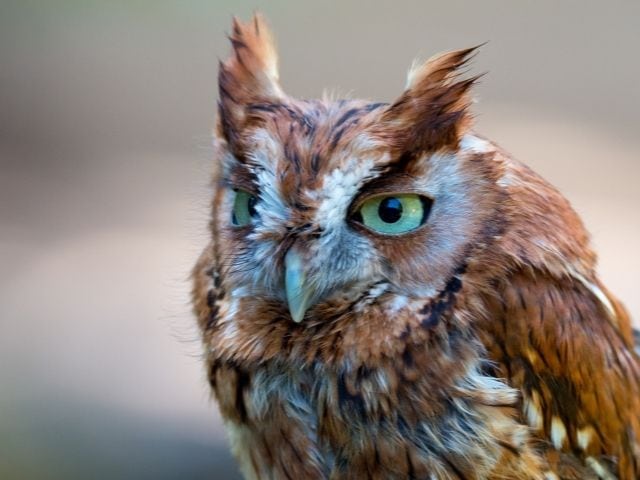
x=249 y=75
x=579 y=380
x=478 y=345
x=433 y=112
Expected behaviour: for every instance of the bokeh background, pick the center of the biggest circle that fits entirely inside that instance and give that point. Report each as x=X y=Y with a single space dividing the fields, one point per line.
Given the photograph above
x=106 y=109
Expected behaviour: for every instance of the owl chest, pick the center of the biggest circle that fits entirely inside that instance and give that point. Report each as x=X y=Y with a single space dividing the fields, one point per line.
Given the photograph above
x=272 y=420
x=307 y=423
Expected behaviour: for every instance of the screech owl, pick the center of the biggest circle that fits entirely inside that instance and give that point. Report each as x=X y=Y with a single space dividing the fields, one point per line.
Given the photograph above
x=389 y=295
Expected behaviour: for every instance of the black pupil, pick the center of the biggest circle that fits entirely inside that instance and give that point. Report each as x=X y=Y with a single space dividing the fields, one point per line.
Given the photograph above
x=390 y=210
x=251 y=205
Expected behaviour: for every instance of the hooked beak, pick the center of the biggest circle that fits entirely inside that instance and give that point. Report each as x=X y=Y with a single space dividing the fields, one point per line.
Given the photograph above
x=299 y=293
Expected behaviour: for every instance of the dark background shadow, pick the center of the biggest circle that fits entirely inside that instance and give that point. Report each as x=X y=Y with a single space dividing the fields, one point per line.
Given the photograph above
x=76 y=440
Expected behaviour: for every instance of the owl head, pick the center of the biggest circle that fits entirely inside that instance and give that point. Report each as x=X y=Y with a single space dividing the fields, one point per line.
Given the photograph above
x=328 y=210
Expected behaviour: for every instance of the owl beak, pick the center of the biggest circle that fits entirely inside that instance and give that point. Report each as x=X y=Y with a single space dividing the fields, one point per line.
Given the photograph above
x=298 y=292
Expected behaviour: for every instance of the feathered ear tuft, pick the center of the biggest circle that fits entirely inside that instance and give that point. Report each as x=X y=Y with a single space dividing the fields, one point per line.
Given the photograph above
x=249 y=75
x=433 y=112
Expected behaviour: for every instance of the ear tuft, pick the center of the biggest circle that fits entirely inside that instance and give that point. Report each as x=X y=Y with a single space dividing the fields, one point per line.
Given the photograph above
x=249 y=75
x=254 y=60
x=439 y=68
x=432 y=113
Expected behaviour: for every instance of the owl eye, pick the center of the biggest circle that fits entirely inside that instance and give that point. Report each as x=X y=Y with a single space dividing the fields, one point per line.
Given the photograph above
x=244 y=208
x=394 y=214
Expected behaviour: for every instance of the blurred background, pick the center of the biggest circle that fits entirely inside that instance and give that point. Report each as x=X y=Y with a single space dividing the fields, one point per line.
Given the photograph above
x=106 y=109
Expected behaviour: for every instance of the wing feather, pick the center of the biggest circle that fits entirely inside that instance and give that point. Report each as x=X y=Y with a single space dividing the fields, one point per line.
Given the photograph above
x=577 y=370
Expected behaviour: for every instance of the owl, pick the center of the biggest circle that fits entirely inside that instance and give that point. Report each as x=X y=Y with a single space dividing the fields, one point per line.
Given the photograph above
x=389 y=295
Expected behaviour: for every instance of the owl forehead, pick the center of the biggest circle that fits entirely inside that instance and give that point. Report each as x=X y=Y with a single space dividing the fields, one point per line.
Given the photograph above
x=315 y=158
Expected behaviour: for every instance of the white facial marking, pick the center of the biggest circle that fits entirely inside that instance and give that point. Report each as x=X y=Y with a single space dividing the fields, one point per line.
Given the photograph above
x=338 y=190
x=364 y=143
x=226 y=320
x=377 y=290
x=271 y=209
x=228 y=161
x=558 y=433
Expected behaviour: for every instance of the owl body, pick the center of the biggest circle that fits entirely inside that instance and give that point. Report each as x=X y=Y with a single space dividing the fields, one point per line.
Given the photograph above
x=388 y=295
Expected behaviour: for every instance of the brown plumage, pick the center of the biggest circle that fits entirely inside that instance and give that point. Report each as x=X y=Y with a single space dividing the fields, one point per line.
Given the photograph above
x=388 y=295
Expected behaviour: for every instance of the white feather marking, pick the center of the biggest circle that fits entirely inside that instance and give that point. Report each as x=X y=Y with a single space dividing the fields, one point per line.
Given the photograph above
x=551 y=476
x=397 y=303
x=237 y=293
x=240 y=441
x=229 y=333
x=228 y=161
x=520 y=437
x=412 y=73
x=558 y=433
x=598 y=293
x=377 y=290
x=532 y=411
x=584 y=437
x=475 y=144
x=382 y=383
x=599 y=469
x=229 y=329
x=507 y=179
x=365 y=143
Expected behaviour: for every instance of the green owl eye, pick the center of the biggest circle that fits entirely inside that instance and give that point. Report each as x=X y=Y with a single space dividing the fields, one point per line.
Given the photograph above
x=244 y=208
x=394 y=214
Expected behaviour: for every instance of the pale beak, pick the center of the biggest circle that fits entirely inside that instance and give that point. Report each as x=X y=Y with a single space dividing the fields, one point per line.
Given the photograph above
x=299 y=294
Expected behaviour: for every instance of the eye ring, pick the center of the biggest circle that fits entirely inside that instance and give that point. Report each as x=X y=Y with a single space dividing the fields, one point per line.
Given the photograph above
x=244 y=208
x=393 y=214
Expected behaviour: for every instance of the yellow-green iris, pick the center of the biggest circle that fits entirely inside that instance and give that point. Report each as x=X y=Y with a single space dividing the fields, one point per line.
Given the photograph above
x=394 y=214
x=244 y=208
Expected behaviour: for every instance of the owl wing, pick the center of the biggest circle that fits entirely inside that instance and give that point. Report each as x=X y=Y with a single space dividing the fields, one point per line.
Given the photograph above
x=568 y=346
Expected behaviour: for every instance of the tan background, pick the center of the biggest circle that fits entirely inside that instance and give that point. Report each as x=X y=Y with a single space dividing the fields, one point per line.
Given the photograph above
x=105 y=114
